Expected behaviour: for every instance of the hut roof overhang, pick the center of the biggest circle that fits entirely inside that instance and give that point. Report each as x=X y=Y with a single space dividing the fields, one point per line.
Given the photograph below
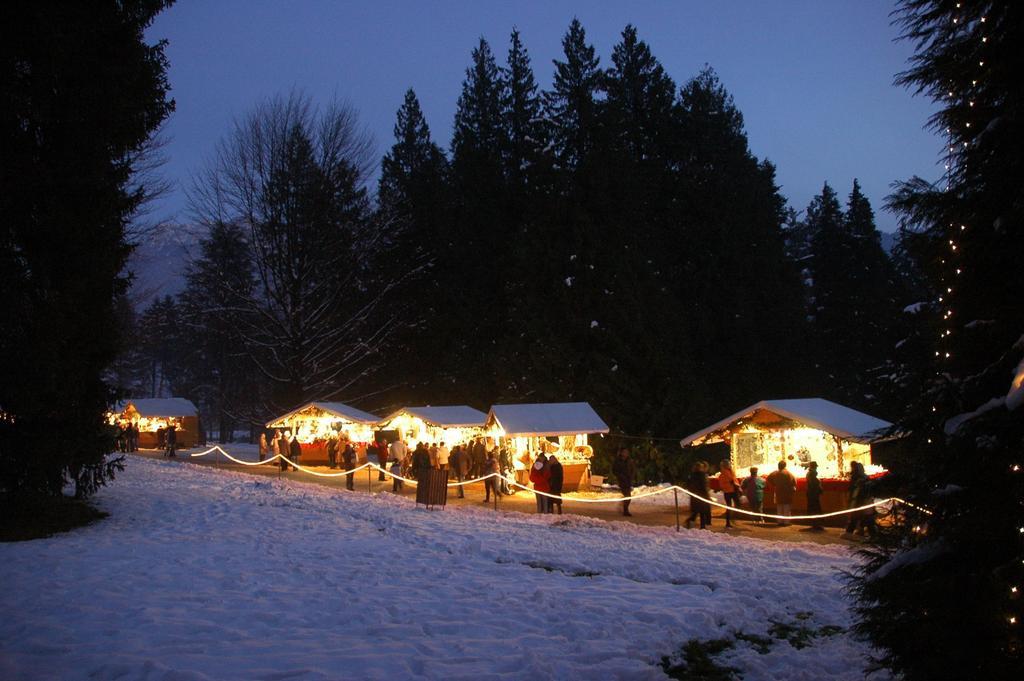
x=159 y=407
x=336 y=409
x=454 y=416
x=544 y=419
x=843 y=422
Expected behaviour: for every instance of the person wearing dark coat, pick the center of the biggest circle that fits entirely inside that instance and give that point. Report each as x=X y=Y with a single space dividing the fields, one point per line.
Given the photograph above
x=172 y=440
x=381 y=454
x=859 y=495
x=624 y=470
x=459 y=462
x=282 y=449
x=348 y=460
x=491 y=484
x=698 y=484
x=332 y=452
x=420 y=461
x=476 y=457
x=814 y=495
x=505 y=463
x=295 y=450
x=555 y=482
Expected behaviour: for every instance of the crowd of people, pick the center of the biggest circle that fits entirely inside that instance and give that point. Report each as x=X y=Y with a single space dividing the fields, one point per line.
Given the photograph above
x=127 y=438
x=480 y=457
x=784 y=485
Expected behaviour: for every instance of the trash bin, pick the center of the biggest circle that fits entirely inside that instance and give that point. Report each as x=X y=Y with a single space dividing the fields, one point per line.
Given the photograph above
x=432 y=488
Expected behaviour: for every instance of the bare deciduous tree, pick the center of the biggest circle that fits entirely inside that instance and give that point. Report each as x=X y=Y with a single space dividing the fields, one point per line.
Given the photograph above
x=294 y=176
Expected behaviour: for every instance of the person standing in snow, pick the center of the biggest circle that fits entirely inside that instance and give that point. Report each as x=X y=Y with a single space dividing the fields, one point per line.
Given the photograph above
x=814 y=495
x=459 y=462
x=491 y=484
x=540 y=474
x=555 y=483
x=172 y=440
x=295 y=449
x=332 y=451
x=420 y=461
x=753 y=489
x=730 y=487
x=477 y=454
x=443 y=455
x=281 y=445
x=698 y=484
x=432 y=453
x=785 y=486
x=399 y=451
x=505 y=465
x=624 y=470
x=858 y=495
x=263 y=446
x=396 y=470
x=378 y=453
x=348 y=460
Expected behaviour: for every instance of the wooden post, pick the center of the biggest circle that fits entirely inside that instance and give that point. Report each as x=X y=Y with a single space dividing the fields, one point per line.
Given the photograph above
x=369 y=478
x=675 y=493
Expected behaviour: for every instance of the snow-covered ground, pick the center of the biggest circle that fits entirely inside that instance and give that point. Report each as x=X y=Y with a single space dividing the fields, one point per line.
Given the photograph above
x=202 y=573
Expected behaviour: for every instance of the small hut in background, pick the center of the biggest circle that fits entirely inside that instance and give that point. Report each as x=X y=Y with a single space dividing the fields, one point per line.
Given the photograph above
x=315 y=422
x=451 y=425
x=798 y=432
x=561 y=428
x=154 y=416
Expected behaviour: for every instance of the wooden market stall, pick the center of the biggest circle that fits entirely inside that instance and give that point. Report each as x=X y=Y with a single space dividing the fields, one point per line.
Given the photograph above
x=798 y=432
x=315 y=422
x=559 y=427
x=450 y=424
x=154 y=416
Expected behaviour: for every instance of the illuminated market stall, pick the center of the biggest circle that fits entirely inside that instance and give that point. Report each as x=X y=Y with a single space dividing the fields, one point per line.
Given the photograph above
x=154 y=416
x=798 y=432
x=451 y=424
x=314 y=423
x=557 y=427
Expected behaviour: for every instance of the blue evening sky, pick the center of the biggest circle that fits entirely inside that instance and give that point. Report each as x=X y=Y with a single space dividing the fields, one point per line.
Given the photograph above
x=814 y=79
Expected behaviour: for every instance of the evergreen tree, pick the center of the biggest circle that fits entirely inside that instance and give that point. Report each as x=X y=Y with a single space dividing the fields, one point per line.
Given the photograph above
x=521 y=110
x=725 y=253
x=479 y=258
x=163 y=348
x=218 y=371
x=570 y=106
x=940 y=594
x=853 y=305
x=640 y=99
x=81 y=92
x=414 y=212
x=478 y=138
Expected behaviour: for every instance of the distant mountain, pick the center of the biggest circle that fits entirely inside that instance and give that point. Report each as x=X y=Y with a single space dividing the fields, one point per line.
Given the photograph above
x=159 y=262
x=888 y=241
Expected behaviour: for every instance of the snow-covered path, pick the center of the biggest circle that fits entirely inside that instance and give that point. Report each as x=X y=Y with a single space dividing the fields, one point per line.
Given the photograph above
x=208 y=574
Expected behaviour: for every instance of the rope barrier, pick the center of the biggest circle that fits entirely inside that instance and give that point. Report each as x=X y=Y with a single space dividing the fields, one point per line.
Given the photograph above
x=514 y=483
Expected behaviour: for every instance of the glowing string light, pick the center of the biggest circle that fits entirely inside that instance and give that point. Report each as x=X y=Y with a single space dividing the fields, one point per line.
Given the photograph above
x=615 y=500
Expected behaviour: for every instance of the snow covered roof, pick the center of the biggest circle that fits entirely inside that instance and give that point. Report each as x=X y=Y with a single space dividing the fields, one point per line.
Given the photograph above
x=176 y=407
x=455 y=416
x=339 y=409
x=814 y=412
x=552 y=418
